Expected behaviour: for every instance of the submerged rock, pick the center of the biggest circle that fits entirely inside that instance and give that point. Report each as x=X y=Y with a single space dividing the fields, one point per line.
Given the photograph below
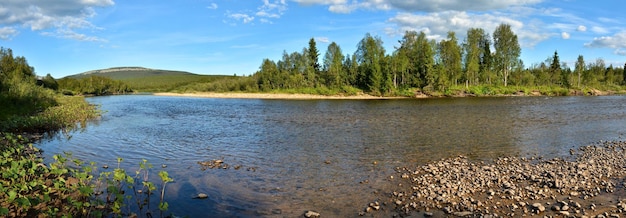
x=201 y=196
x=512 y=186
x=311 y=214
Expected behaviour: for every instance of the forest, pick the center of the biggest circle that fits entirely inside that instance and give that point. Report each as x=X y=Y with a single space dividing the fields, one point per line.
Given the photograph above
x=93 y=85
x=428 y=66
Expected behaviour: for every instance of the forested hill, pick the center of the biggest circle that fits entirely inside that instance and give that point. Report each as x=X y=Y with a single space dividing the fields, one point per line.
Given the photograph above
x=137 y=79
x=123 y=73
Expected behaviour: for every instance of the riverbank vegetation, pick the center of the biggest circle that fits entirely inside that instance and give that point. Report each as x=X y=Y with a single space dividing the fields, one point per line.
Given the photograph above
x=65 y=187
x=93 y=85
x=480 y=65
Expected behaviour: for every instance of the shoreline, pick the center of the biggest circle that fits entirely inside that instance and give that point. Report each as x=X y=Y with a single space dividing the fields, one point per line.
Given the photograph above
x=241 y=95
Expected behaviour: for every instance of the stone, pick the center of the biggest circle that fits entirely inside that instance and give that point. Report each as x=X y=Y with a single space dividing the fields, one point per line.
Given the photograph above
x=428 y=214
x=311 y=214
x=462 y=214
x=539 y=207
x=201 y=196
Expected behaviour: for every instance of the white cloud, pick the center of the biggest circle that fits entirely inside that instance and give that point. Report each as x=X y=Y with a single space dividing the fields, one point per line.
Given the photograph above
x=322 y=39
x=62 y=16
x=581 y=28
x=69 y=34
x=241 y=17
x=272 y=9
x=599 y=30
x=7 y=33
x=269 y=10
x=345 y=6
x=565 y=35
x=212 y=6
x=617 y=42
x=436 y=25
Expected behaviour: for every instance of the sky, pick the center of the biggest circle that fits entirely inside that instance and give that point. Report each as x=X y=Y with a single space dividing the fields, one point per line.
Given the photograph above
x=232 y=37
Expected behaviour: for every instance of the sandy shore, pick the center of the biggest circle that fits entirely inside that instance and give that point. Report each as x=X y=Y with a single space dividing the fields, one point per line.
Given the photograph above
x=270 y=96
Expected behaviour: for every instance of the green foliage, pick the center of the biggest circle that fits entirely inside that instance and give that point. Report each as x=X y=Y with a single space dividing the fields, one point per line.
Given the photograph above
x=67 y=187
x=94 y=85
x=66 y=114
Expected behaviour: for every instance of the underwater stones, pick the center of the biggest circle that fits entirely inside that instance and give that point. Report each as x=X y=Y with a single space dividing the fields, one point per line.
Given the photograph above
x=512 y=186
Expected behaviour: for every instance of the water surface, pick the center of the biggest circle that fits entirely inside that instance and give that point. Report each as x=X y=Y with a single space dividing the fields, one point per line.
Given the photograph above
x=298 y=155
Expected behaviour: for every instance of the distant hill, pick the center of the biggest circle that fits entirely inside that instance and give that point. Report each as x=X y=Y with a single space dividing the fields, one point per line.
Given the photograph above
x=150 y=80
x=123 y=73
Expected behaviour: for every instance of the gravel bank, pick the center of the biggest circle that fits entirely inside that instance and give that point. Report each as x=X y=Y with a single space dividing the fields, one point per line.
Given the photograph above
x=589 y=183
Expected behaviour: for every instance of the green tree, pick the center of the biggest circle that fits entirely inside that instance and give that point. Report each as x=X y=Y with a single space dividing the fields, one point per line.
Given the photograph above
x=313 y=55
x=406 y=59
x=579 y=68
x=49 y=82
x=351 y=67
x=507 y=50
x=473 y=50
x=624 y=75
x=333 y=66
x=485 y=72
x=425 y=61
x=371 y=56
x=557 y=71
x=266 y=75
x=450 y=59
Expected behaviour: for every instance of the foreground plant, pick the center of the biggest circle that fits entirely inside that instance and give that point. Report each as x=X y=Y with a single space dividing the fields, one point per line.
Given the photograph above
x=68 y=187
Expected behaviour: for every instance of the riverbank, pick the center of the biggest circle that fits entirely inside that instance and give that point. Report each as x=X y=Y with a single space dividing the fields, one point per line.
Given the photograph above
x=589 y=183
x=483 y=91
x=271 y=96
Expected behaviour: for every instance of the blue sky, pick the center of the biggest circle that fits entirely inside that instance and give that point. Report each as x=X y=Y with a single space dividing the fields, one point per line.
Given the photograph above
x=64 y=37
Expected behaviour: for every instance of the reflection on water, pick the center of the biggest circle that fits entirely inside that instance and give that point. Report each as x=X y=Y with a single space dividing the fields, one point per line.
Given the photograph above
x=299 y=155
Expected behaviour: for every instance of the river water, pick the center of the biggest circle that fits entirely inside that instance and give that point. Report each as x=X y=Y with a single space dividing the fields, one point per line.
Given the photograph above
x=330 y=156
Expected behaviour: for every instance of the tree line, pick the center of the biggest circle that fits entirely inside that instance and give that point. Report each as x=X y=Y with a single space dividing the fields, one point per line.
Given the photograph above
x=93 y=85
x=423 y=64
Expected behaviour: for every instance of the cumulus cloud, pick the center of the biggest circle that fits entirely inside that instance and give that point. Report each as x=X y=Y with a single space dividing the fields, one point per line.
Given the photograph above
x=241 y=17
x=617 y=42
x=581 y=28
x=272 y=9
x=63 y=16
x=345 y=6
x=269 y=10
x=7 y=33
x=436 y=25
x=565 y=35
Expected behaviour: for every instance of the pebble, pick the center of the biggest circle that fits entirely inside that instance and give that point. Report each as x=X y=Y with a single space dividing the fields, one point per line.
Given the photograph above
x=506 y=185
x=201 y=196
x=311 y=214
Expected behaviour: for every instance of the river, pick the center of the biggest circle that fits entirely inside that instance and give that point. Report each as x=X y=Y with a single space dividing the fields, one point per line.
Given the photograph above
x=330 y=156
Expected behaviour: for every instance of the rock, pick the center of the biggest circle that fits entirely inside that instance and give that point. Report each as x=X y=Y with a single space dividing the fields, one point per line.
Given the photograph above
x=462 y=214
x=564 y=213
x=565 y=208
x=311 y=214
x=428 y=214
x=201 y=196
x=539 y=207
